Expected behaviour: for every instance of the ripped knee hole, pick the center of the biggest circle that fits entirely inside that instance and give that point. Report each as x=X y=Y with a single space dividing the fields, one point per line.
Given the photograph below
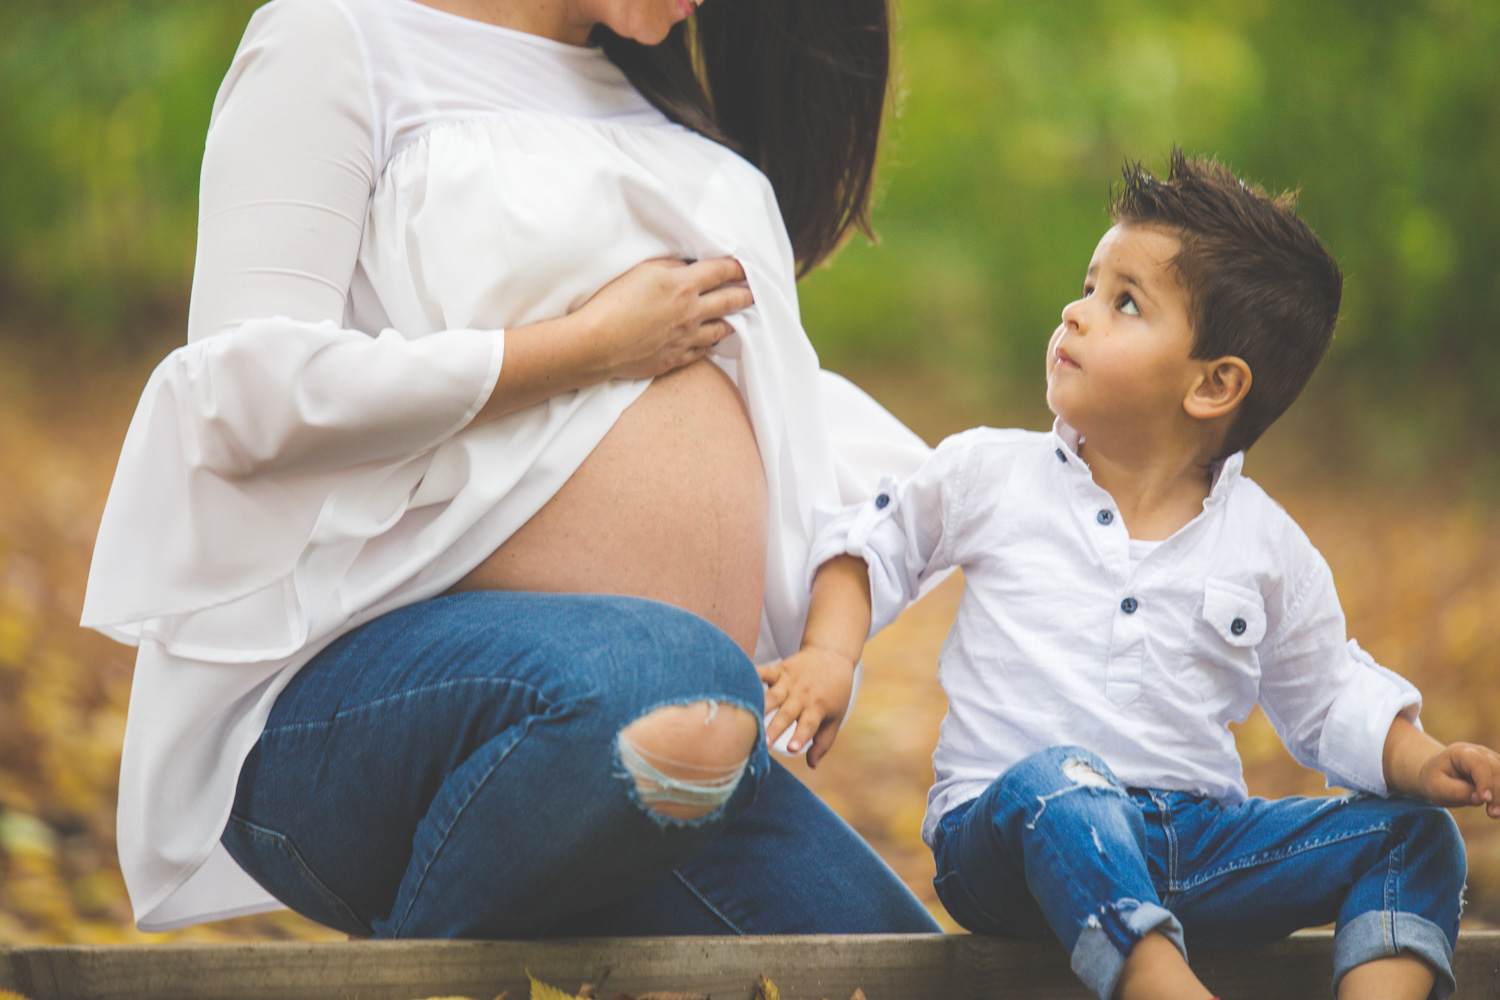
x=1080 y=772
x=653 y=747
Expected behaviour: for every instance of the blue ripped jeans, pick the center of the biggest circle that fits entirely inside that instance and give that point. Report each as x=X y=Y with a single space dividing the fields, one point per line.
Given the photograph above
x=1056 y=842
x=453 y=769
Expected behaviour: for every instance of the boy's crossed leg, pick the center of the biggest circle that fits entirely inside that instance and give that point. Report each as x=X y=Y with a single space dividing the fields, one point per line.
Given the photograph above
x=1114 y=868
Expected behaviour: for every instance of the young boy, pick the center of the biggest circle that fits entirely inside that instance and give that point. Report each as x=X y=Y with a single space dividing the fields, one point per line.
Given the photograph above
x=1127 y=594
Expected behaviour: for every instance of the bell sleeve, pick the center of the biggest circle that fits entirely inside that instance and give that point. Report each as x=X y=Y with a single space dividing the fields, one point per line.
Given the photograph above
x=274 y=421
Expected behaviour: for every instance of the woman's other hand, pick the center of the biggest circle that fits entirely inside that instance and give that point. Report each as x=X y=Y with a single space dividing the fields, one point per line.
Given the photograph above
x=663 y=314
x=656 y=317
x=811 y=690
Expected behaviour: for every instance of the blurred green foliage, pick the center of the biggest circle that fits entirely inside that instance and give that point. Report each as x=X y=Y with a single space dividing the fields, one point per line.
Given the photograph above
x=1014 y=120
x=103 y=110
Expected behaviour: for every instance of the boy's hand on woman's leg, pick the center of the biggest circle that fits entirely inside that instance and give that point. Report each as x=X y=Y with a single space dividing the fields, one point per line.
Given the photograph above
x=811 y=690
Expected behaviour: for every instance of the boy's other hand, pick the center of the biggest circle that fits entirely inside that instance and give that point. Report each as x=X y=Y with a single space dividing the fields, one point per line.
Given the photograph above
x=811 y=690
x=1463 y=774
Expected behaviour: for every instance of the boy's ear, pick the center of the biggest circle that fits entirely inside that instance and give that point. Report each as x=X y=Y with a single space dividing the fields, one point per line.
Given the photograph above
x=1219 y=388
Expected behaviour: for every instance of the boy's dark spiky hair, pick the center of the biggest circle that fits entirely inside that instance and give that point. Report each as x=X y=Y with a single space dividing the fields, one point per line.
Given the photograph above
x=1260 y=286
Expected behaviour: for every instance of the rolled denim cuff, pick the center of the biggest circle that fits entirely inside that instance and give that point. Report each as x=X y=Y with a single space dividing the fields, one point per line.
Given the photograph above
x=1108 y=937
x=1384 y=933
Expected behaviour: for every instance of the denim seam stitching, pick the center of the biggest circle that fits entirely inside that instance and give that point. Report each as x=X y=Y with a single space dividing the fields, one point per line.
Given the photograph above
x=973 y=899
x=458 y=815
x=1169 y=830
x=1392 y=890
x=956 y=876
x=704 y=900
x=1079 y=888
x=386 y=700
x=490 y=773
x=1265 y=857
x=285 y=843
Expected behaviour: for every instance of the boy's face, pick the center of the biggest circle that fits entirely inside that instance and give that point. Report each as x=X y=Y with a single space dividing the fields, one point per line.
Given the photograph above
x=1121 y=356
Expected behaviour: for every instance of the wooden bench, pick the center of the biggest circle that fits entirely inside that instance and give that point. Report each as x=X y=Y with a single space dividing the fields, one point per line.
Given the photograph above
x=886 y=967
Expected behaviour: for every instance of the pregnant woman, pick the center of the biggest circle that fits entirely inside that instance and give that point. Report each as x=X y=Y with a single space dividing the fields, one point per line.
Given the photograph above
x=450 y=537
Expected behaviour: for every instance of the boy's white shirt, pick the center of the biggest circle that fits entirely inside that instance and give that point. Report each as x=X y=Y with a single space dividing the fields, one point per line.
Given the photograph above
x=1236 y=607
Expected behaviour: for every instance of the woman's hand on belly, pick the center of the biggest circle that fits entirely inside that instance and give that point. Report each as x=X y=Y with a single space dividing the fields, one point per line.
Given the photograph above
x=656 y=317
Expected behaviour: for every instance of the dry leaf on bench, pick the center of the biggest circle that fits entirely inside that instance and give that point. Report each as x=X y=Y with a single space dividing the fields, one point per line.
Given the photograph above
x=541 y=991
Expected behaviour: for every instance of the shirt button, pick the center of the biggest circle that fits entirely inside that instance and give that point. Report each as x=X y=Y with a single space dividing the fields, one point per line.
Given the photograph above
x=881 y=501
x=1129 y=605
x=1105 y=517
x=1060 y=456
x=1237 y=626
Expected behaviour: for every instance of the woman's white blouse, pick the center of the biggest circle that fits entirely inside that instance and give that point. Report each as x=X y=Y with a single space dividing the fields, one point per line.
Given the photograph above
x=387 y=187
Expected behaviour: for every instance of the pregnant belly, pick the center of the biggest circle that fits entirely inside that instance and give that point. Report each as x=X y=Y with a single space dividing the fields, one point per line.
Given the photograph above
x=671 y=505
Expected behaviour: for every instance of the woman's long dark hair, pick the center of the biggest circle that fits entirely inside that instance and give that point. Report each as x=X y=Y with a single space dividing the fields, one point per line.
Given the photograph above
x=797 y=87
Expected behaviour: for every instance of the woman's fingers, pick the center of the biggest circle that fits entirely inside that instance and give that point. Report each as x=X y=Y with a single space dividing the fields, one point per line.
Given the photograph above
x=725 y=299
x=715 y=271
x=712 y=331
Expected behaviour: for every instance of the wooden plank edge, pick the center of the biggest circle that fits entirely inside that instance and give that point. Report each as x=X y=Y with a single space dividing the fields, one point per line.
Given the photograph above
x=886 y=967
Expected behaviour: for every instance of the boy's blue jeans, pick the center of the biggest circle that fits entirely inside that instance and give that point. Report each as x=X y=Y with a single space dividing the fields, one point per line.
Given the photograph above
x=1057 y=841
x=451 y=770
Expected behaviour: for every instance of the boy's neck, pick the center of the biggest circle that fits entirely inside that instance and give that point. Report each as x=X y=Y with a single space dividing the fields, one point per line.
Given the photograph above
x=1158 y=490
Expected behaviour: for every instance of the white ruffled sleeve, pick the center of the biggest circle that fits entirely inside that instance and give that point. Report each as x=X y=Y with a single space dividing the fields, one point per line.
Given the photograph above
x=274 y=411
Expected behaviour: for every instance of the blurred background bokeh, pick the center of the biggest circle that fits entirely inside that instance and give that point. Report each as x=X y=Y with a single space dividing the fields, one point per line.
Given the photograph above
x=1014 y=119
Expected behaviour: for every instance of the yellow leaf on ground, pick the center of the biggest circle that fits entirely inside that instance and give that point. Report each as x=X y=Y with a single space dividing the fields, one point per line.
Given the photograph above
x=541 y=991
x=765 y=990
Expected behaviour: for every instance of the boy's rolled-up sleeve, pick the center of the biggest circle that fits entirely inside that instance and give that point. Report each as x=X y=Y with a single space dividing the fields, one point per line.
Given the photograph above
x=1330 y=702
x=901 y=533
x=1352 y=746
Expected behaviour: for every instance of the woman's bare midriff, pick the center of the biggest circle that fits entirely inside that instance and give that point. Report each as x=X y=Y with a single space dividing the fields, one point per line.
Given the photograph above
x=671 y=505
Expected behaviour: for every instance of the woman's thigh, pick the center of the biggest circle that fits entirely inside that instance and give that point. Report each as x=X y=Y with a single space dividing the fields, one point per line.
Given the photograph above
x=524 y=694
x=786 y=865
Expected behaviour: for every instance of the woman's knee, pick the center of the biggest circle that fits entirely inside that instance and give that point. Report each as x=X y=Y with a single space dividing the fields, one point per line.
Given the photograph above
x=687 y=760
x=665 y=653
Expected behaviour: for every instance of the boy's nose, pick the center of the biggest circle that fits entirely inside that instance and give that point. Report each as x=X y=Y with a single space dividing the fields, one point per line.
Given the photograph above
x=1072 y=314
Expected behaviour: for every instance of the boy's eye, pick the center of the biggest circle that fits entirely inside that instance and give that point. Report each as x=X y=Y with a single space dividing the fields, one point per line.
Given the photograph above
x=1127 y=305
x=1088 y=289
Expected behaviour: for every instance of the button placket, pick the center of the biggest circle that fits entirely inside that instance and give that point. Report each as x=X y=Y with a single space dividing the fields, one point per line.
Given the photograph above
x=1127 y=650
